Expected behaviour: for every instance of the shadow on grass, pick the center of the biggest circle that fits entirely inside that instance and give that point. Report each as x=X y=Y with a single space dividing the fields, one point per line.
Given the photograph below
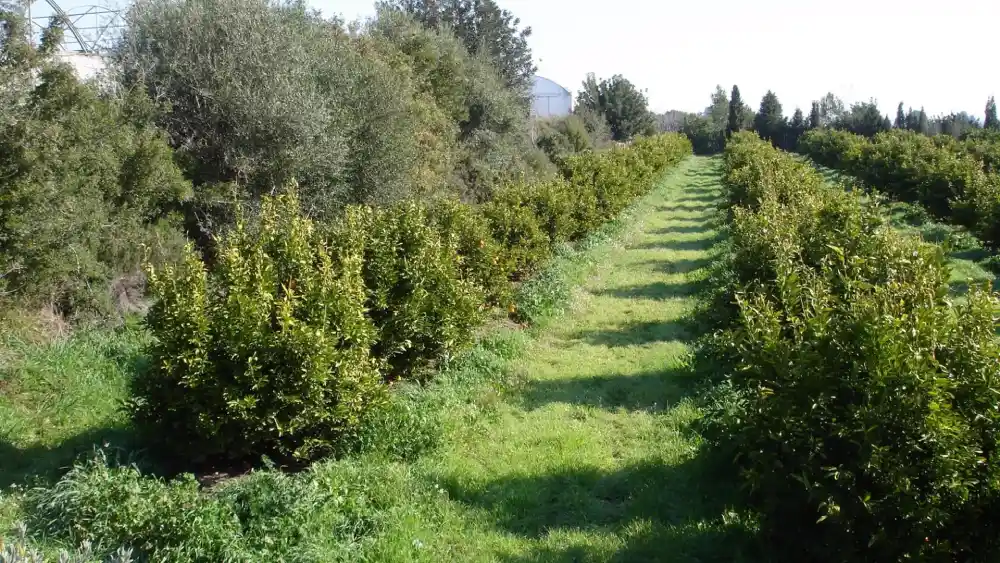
x=50 y=392
x=694 y=244
x=664 y=511
x=681 y=266
x=672 y=208
x=972 y=254
x=682 y=507
x=699 y=197
x=962 y=287
x=657 y=290
x=701 y=190
x=695 y=227
x=45 y=464
x=959 y=287
x=639 y=333
x=653 y=391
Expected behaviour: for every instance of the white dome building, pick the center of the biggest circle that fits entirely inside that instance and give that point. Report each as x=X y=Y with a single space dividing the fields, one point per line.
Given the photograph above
x=549 y=99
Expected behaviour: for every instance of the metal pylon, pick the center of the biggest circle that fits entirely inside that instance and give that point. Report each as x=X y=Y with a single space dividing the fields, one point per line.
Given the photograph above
x=90 y=28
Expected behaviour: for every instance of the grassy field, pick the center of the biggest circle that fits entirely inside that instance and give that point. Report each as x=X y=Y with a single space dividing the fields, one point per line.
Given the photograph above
x=572 y=441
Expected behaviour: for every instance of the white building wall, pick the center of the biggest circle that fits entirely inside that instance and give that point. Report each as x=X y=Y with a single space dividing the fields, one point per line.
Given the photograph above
x=550 y=99
x=86 y=65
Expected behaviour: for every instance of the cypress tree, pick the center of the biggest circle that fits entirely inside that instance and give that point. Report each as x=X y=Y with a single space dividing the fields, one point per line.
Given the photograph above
x=735 y=112
x=770 y=121
x=991 y=115
x=814 y=116
x=922 y=125
x=900 y=117
x=795 y=130
x=912 y=119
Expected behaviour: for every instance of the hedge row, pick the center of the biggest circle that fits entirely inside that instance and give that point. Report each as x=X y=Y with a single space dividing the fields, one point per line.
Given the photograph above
x=950 y=181
x=984 y=144
x=863 y=412
x=284 y=346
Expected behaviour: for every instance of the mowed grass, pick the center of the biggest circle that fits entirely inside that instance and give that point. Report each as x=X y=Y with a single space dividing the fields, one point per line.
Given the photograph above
x=592 y=457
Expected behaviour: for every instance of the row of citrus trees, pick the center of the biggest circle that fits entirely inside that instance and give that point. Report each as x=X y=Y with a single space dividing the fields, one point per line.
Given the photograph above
x=983 y=144
x=285 y=345
x=864 y=403
x=953 y=180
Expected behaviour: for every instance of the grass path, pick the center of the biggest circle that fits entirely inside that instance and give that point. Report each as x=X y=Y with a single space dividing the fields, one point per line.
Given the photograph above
x=592 y=458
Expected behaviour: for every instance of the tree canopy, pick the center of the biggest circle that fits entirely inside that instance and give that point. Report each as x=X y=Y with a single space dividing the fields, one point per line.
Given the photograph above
x=484 y=28
x=815 y=116
x=623 y=105
x=831 y=109
x=770 y=121
x=864 y=119
x=735 y=112
x=991 y=115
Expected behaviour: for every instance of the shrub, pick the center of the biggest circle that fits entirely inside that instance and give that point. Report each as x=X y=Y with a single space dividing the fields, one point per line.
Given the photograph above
x=334 y=511
x=550 y=202
x=984 y=144
x=267 y=354
x=418 y=299
x=618 y=176
x=560 y=137
x=528 y=219
x=706 y=136
x=861 y=421
x=518 y=231
x=934 y=172
x=276 y=350
x=85 y=184
x=481 y=258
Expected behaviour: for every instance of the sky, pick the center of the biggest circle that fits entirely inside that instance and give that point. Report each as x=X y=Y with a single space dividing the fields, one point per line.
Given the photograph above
x=933 y=54
x=942 y=55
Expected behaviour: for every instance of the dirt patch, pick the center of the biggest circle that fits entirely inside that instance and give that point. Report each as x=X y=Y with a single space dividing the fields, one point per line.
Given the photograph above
x=128 y=293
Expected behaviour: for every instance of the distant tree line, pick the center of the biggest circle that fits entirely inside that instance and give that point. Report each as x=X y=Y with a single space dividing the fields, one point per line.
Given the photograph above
x=725 y=115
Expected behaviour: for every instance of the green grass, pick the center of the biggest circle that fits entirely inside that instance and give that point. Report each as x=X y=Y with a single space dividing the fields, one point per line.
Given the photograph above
x=593 y=458
x=571 y=441
x=58 y=400
x=966 y=254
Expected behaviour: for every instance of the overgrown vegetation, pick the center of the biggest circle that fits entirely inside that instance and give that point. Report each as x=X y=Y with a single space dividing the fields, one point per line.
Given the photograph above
x=857 y=409
x=269 y=273
x=372 y=505
x=939 y=174
x=327 y=214
x=579 y=132
x=86 y=181
x=624 y=107
x=277 y=348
